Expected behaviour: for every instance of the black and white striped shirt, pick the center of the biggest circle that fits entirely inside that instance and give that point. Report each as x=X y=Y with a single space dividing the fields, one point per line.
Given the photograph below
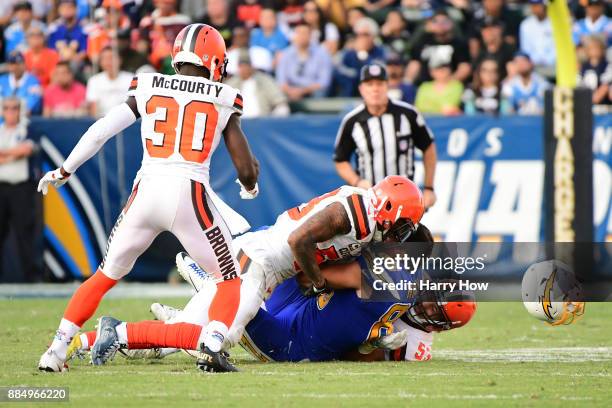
x=384 y=144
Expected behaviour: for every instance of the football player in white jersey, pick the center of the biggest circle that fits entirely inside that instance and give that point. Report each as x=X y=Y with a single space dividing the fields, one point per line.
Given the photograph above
x=183 y=118
x=331 y=227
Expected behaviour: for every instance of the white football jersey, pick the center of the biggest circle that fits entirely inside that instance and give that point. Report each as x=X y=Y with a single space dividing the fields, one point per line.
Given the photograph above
x=183 y=118
x=270 y=248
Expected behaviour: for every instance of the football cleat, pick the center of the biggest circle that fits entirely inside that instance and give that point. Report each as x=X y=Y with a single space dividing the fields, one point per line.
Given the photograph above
x=163 y=312
x=191 y=271
x=107 y=341
x=50 y=362
x=213 y=361
x=75 y=349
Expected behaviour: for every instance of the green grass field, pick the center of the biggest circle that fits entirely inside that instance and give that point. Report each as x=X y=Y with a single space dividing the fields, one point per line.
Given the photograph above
x=502 y=358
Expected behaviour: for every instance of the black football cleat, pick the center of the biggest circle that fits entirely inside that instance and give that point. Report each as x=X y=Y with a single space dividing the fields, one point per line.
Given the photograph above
x=214 y=362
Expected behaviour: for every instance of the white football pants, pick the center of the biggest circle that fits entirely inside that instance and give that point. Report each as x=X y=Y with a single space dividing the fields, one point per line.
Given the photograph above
x=181 y=206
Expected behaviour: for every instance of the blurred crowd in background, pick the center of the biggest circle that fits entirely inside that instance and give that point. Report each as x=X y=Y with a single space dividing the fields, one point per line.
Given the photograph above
x=69 y=58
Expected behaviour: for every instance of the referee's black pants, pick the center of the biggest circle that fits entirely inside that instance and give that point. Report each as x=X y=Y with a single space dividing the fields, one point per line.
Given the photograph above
x=21 y=212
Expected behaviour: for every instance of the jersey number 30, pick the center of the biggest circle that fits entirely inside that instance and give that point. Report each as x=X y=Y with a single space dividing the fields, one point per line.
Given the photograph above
x=197 y=129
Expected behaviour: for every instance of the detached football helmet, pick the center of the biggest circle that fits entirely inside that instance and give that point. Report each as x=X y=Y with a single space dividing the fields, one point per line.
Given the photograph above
x=552 y=293
x=398 y=206
x=201 y=45
x=439 y=310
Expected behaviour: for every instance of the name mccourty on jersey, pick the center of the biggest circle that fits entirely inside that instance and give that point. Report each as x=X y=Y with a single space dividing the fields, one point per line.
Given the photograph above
x=177 y=84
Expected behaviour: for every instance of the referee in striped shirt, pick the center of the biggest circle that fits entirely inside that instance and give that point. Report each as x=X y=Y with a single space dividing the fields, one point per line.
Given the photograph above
x=383 y=134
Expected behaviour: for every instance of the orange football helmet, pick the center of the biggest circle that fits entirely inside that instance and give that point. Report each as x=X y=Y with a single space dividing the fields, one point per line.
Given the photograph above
x=443 y=310
x=399 y=207
x=201 y=45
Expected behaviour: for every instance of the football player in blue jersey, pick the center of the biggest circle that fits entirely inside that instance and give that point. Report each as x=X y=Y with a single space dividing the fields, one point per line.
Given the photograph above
x=341 y=325
x=336 y=325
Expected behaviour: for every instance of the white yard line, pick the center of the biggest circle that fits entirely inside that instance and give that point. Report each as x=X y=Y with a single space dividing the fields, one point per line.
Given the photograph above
x=557 y=354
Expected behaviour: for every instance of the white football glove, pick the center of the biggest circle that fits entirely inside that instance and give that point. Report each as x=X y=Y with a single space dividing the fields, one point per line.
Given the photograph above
x=248 y=194
x=55 y=178
x=390 y=342
x=393 y=341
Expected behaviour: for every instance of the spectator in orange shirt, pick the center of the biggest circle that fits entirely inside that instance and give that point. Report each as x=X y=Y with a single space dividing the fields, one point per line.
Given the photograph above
x=65 y=97
x=110 y=19
x=39 y=59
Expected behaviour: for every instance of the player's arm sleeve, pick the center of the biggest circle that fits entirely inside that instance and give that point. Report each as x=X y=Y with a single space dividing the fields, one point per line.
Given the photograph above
x=418 y=347
x=345 y=144
x=421 y=134
x=238 y=104
x=131 y=96
x=117 y=119
x=356 y=209
x=133 y=86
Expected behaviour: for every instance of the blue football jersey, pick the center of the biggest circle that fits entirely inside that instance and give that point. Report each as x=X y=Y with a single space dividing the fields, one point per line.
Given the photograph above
x=322 y=328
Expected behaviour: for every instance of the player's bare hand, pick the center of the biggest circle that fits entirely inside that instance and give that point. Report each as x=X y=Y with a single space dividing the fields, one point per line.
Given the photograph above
x=57 y=178
x=248 y=194
x=429 y=198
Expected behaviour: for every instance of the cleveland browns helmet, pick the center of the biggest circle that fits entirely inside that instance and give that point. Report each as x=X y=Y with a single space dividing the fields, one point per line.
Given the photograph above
x=439 y=310
x=398 y=206
x=201 y=45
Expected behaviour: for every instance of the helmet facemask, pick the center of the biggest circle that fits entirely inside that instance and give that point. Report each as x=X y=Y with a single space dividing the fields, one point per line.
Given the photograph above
x=399 y=231
x=439 y=310
x=428 y=312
